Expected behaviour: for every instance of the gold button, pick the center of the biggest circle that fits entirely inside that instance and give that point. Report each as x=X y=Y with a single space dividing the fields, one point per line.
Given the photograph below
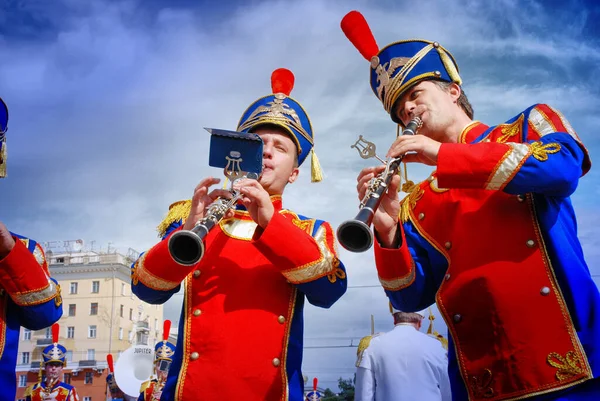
x=545 y=291
x=197 y=312
x=421 y=216
x=437 y=73
x=194 y=356
x=276 y=362
x=281 y=319
x=457 y=318
x=447 y=277
x=430 y=178
x=530 y=243
x=448 y=245
x=196 y=273
x=436 y=44
x=521 y=198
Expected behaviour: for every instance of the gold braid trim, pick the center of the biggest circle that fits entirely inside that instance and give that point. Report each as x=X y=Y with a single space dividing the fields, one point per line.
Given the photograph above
x=568 y=366
x=409 y=203
x=177 y=211
x=541 y=151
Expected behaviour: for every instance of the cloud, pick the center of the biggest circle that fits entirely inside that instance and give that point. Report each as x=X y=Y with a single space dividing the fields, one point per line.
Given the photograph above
x=108 y=101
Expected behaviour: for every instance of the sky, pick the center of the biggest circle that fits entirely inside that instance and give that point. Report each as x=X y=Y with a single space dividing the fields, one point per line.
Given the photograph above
x=108 y=100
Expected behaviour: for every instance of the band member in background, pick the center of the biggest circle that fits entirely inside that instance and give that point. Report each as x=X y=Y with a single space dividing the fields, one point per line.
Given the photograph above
x=314 y=395
x=242 y=321
x=52 y=388
x=402 y=364
x=152 y=389
x=28 y=296
x=490 y=235
x=115 y=392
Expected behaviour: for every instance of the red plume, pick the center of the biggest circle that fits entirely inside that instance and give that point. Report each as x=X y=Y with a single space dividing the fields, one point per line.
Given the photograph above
x=282 y=81
x=166 y=329
x=55 y=329
x=109 y=360
x=315 y=381
x=358 y=32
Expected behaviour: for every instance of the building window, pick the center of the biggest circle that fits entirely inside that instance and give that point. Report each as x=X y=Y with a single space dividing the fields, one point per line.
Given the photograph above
x=26 y=334
x=73 y=288
x=91 y=354
x=22 y=380
x=89 y=378
x=94 y=308
x=25 y=357
x=92 y=331
x=123 y=289
x=69 y=356
x=67 y=378
x=129 y=337
x=95 y=287
x=120 y=333
x=72 y=308
x=130 y=314
x=48 y=332
x=121 y=310
x=156 y=324
x=70 y=332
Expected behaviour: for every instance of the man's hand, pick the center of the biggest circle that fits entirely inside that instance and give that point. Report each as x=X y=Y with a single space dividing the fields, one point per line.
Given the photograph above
x=257 y=201
x=385 y=221
x=426 y=149
x=7 y=243
x=202 y=199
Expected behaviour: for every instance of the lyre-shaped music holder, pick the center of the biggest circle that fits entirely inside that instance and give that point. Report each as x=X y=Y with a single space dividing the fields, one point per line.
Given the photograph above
x=366 y=149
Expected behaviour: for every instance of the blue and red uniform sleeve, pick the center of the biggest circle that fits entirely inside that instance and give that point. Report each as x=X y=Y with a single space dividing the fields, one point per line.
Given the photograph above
x=304 y=251
x=147 y=280
x=24 y=277
x=411 y=273
x=544 y=156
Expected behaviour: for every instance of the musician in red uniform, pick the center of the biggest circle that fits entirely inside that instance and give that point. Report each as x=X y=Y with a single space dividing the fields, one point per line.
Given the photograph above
x=490 y=236
x=240 y=333
x=29 y=297
x=151 y=390
x=52 y=388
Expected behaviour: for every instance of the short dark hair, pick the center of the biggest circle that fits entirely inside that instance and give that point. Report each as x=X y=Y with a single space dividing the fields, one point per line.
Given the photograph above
x=278 y=128
x=463 y=100
x=408 y=317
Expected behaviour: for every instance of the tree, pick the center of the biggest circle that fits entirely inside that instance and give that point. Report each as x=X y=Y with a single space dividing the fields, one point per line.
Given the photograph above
x=346 y=391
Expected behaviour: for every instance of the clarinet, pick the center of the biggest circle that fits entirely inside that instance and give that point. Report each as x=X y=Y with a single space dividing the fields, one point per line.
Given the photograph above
x=186 y=247
x=355 y=235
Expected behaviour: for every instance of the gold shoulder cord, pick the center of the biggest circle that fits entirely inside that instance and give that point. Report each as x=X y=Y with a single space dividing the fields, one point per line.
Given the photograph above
x=408 y=185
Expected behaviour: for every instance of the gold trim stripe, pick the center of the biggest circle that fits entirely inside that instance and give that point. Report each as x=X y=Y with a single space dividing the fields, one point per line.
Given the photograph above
x=323 y=266
x=509 y=165
x=36 y=297
x=149 y=279
x=399 y=283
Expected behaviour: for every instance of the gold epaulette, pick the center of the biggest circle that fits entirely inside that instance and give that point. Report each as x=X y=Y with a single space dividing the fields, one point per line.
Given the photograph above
x=362 y=346
x=145 y=385
x=441 y=339
x=177 y=211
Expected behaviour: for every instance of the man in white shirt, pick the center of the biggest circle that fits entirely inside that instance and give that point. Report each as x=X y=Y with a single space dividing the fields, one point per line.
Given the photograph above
x=403 y=364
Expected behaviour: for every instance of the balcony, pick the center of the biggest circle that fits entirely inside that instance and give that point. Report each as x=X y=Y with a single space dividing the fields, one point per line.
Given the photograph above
x=87 y=364
x=35 y=365
x=43 y=342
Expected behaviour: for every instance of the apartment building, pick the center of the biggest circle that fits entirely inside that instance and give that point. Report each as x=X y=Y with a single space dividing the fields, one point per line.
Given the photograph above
x=100 y=316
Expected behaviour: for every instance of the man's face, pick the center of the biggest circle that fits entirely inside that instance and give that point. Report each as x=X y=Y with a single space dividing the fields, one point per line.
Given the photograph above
x=279 y=160
x=434 y=105
x=54 y=370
